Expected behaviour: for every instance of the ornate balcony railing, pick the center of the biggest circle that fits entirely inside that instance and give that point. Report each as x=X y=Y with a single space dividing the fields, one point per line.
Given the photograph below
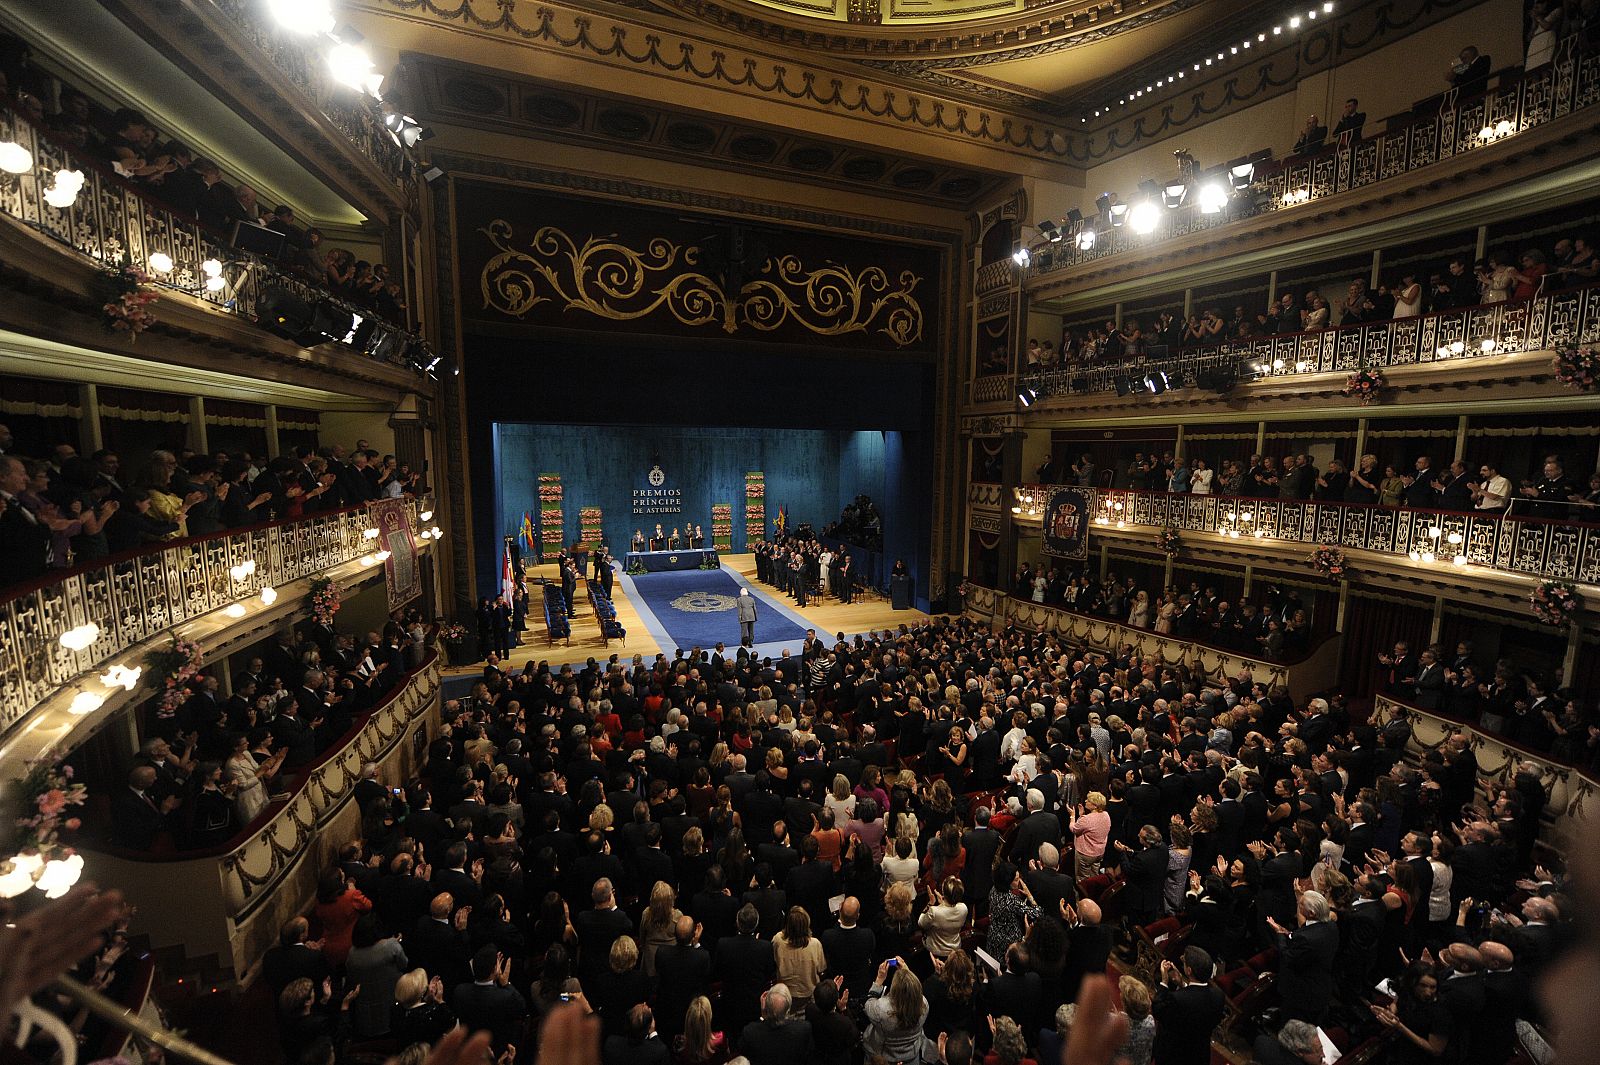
x=1517 y=103
x=357 y=116
x=1572 y=789
x=1526 y=546
x=984 y=495
x=139 y=596
x=995 y=276
x=1313 y=671
x=1550 y=321
x=111 y=221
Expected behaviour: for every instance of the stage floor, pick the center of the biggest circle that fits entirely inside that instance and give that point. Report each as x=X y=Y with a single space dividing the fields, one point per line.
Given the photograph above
x=827 y=616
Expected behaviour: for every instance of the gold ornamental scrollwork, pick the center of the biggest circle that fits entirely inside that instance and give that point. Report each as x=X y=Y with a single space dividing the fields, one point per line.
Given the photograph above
x=608 y=279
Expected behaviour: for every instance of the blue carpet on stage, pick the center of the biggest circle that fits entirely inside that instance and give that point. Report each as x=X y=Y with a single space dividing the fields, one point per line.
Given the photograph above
x=696 y=608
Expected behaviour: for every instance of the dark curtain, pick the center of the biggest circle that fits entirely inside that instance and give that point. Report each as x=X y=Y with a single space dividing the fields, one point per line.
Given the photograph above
x=1371 y=628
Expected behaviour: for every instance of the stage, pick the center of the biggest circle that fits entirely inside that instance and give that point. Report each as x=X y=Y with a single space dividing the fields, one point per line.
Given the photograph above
x=828 y=616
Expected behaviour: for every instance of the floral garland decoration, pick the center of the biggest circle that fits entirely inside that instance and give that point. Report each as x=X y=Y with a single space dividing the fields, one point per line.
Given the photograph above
x=1169 y=541
x=1555 y=603
x=1364 y=384
x=1329 y=561
x=1578 y=368
x=170 y=669
x=324 y=599
x=126 y=299
x=47 y=793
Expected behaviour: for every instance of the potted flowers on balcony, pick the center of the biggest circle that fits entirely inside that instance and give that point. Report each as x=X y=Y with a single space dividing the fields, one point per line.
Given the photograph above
x=1578 y=368
x=43 y=799
x=1330 y=562
x=453 y=637
x=1365 y=384
x=1555 y=603
x=1169 y=541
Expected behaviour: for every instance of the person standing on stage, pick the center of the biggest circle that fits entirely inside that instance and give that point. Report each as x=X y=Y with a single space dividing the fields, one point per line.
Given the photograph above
x=638 y=543
x=603 y=565
x=846 y=578
x=747 y=618
x=798 y=577
x=501 y=627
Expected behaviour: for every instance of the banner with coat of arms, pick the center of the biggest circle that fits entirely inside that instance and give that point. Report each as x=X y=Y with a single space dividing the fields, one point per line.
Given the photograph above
x=1066 y=524
x=402 y=575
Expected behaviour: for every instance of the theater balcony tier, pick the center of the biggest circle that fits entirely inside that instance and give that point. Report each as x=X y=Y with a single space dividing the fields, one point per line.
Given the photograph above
x=280 y=83
x=236 y=896
x=214 y=305
x=1448 y=356
x=1490 y=558
x=66 y=638
x=1531 y=136
x=1311 y=673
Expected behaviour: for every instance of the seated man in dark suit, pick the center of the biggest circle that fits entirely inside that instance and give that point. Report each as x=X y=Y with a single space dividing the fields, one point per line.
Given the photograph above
x=439 y=943
x=137 y=816
x=489 y=1002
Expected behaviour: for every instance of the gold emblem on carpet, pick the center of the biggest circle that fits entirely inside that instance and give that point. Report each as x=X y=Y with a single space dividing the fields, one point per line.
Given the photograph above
x=704 y=603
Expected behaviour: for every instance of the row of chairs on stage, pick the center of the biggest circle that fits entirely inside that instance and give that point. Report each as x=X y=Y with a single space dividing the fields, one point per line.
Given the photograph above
x=605 y=611
x=557 y=625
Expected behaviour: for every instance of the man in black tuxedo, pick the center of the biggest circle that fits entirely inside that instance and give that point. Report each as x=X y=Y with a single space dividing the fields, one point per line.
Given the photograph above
x=1018 y=992
x=1399 y=672
x=597 y=929
x=1037 y=828
x=454 y=877
x=138 y=815
x=776 y=1039
x=1429 y=687
x=1144 y=872
x=810 y=884
x=294 y=957
x=1361 y=932
x=683 y=972
x=1050 y=886
x=439 y=944
x=1088 y=946
x=1470 y=72
x=1230 y=819
x=1305 y=959
x=24 y=538
x=489 y=1002
x=1186 y=1008
x=744 y=964
x=982 y=845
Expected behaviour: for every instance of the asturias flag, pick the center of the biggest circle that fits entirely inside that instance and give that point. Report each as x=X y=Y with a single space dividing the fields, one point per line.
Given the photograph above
x=527 y=530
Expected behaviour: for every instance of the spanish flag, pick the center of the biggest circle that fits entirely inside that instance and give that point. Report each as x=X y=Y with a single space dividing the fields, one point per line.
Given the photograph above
x=783 y=520
x=527 y=530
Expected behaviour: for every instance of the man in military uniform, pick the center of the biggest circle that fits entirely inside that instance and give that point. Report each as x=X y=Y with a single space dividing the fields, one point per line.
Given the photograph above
x=1552 y=492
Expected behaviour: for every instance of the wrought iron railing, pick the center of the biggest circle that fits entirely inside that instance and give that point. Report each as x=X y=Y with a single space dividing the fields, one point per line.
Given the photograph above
x=111 y=221
x=140 y=596
x=1550 y=321
x=1533 y=547
x=357 y=116
x=994 y=276
x=1519 y=102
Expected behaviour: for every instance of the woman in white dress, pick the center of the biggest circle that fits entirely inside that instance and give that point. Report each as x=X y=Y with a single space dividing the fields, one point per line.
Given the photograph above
x=1039 y=585
x=1408 y=297
x=1139 y=615
x=1200 y=479
x=1165 y=610
x=1544 y=23
x=249 y=779
x=1496 y=281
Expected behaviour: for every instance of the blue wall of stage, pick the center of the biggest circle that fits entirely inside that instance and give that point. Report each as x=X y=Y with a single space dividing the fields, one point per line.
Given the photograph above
x=811 y=472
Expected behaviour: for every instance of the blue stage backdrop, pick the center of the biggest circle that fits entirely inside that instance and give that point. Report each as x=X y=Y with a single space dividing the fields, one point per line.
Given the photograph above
x=813 y=473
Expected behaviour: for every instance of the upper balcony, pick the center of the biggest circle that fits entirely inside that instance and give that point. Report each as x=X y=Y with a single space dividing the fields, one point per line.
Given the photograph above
x=1480 y=142
x=61 y=253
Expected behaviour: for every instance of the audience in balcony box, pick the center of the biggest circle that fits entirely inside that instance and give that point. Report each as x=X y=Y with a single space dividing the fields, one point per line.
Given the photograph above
x=1496 y=279
x=1470 y=72
x=1577 y=266
x=1530 y=278
x=1351 y=119
x=1312 y=134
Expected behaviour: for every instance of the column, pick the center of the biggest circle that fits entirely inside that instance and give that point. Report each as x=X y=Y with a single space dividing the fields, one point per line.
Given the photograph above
x=197 y=424
x=1010 y=477
x=1361 y=440
x=1574 y=642
x=1261 y=438
x=1249 y=579
x=1118 y=313
x=1105 y=561
x=272 y=430
x=90 y=437
x=1272 y=287
x=1482 y=244
x=1438 y=619
x=1177 y=441
x=1377 y=265
x=1188 y=303
x=1461 y=437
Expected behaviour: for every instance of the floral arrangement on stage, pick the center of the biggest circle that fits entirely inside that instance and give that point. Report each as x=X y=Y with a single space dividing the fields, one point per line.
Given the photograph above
x=170 y=669
x=551 y=518
x=452 y=632
x=324 y=599
x=1555 y=603
x=1169 y=541
x=635 y=568
x=755 y=489
x=1365 y=385
x=126 y=298
x=45 y=795
x=722 y=526
x=1578 y=368
x=755 y=507
x=589 y=521
x=1329 y=561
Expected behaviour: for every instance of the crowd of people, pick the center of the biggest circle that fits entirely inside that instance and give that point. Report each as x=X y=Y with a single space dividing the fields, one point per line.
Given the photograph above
x=1550 y=492
x=859 y=523
x=125 y=142
x=209 y=766
x=805 y=568
x=63 y=510
x=895 y=848
x=1502 y=275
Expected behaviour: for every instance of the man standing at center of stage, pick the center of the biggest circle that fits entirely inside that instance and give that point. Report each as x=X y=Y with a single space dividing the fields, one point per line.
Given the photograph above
x=799 y=576
x=747 y=618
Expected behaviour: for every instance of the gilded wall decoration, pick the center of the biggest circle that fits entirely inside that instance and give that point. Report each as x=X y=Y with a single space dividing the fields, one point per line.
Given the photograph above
x=671 y=283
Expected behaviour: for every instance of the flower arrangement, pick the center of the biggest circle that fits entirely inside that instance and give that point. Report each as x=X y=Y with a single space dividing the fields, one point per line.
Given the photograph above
x=589 y=522
x=1365 y=384
x=126 y=299
x=170 y=669
x=1555 y=603
x=1578 y=368
x=635 y=568
x=755 y=489
x=44 y=797
x=962 y=589
x=452 y=632
x=1169 y=541
x=324 y=599
x=722 y=526
x=1329 y=561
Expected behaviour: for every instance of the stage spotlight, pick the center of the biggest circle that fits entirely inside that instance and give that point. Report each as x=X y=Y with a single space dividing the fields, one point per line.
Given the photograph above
x=1119 y=213
x=1074 y=217
x=1102 y=204
x=1086 y=238
x=1150 y=189
x=1241 y=174
x=405 y=130
x=331 y=322
x=284 y=313
x=388 y=346
x=1026 y=396
x=1213 y=198
x=1020 y=255
x=1173 y=194
x=1156 y=382
x=1047 y=229
x=1144 y=217
x=1122 y=385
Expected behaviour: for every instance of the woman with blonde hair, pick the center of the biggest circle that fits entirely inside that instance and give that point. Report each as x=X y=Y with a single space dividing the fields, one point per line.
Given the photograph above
x=623 y=988
x=799 y=958
x=1091 y=828
x=896 y=927
x=419 y=1014
x=777 y=771
x=840 y=799
x=896 y=1012
x=700 y=1043
x=657 y=923
x=1141 y=1040
x=601 y=819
